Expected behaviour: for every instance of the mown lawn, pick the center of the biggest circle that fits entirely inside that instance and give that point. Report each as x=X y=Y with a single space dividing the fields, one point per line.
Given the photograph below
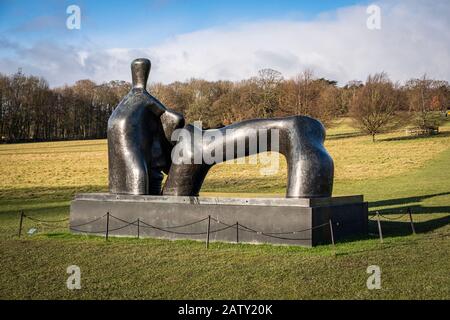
x=394 y=173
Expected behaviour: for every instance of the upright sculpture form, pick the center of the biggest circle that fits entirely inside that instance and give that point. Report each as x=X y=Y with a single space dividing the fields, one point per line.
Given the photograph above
x=140 y=147
x=139 y=132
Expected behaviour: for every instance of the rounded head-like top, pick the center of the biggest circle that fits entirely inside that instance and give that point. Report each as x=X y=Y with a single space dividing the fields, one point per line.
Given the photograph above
x=140 y=69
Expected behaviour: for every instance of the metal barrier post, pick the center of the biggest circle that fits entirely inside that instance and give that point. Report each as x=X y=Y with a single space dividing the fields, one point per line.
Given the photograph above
x=207 y=232
x=331 y=231
x=380 y=232
x=21 y=222
x=107 y=225
x=411 y=220
x=332 y=236
x=138 y=231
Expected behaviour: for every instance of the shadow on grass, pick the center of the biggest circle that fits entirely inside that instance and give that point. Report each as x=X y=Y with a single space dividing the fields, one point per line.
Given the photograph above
x=59 y=235
x=39 y=144
x=391 y=202
x=47 y=203
x=45 y=194
x=415 y=209
x=420 y=137
x=345 y=135
x=401 y=206
x=40 y=201
x=36 y=211
x=402 y=228
x=34 y=152
x=392 y=229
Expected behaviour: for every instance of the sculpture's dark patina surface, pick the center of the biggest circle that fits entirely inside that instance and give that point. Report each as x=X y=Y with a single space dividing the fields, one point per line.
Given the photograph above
x=310 y=167
x=139 y=133
x=140 y=147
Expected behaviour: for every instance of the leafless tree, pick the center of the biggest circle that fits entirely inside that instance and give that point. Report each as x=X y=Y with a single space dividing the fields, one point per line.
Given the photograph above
x=30 y=110
x=426 y=97
x=375 y=106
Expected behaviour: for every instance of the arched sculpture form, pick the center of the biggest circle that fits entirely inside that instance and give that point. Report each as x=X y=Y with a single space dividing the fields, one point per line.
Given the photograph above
x=139 y=147
x=139 y=132
x=310 y=167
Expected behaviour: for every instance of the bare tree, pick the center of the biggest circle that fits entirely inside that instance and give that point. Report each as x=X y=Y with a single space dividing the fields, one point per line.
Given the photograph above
x=426 y=97
x=30 y=110
x=268 y=82
x=375 y=105
x=307 y=95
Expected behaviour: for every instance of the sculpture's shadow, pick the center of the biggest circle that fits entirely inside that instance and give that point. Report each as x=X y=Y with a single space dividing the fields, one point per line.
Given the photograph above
x=400 y=207
x=402 y=227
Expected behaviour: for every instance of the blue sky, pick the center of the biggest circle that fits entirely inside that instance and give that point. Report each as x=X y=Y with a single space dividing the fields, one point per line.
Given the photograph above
x=144 y=22
x=224 y=39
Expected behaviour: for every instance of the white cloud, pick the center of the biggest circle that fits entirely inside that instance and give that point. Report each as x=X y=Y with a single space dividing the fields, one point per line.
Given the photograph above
x=413 y=40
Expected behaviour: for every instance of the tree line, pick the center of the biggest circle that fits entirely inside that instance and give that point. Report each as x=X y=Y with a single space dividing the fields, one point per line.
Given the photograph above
x=32 y=111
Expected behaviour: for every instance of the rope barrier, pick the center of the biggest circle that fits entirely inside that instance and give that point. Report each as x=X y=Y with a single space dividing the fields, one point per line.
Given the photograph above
x=187 y=224
x=270 y=235
x=183 y=233
x=145 y=224
x=239 y=227
x=169 y=229
x=89 y=222
x=393 y=219
x=119 y=219
x=103 y=231
x=299 y=231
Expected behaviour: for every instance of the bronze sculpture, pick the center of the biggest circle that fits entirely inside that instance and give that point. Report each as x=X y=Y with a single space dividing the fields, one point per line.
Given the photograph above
x=139 y=133
x=140 y=146
x=147 y=140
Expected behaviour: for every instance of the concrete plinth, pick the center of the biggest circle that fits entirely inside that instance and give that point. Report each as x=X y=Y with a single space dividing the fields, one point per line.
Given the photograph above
x=292 y=221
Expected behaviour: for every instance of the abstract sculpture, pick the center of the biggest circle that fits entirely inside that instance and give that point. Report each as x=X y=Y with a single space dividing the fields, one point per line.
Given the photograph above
x=140 y=146
x=139 y=132
x=147 y=140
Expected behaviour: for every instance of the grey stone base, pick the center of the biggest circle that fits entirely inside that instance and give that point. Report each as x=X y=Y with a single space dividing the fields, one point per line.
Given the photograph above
x=302 y=222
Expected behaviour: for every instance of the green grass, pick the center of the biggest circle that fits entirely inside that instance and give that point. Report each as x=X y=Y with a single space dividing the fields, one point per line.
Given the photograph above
x=394 y=173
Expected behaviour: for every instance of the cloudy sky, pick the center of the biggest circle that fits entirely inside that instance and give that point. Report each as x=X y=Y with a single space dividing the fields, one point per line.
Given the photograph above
x=227 y=39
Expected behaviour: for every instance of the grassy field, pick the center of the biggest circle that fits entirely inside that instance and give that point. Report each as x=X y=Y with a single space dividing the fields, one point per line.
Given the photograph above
x=394 y=173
